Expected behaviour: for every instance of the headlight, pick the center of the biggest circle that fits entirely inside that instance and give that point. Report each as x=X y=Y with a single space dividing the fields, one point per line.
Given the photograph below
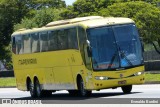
x=101 y=78
x=139 y=73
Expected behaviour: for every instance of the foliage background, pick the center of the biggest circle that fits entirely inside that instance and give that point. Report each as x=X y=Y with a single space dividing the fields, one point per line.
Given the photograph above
x=17 y=14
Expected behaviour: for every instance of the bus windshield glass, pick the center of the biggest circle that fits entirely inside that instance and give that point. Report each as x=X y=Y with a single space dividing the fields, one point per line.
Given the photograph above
x=115 y=47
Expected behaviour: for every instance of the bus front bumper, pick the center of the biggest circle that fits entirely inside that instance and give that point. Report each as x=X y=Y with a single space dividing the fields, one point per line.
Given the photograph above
x=113 y=83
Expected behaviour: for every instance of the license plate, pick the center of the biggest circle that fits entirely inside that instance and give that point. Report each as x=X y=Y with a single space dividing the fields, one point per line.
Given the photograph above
x=122 y=82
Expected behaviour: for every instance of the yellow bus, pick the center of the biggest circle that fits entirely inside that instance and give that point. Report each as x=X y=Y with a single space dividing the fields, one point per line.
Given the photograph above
x=78 y=55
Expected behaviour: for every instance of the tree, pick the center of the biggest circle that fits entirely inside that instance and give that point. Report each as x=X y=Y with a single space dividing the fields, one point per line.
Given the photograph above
x=39 y=4
x=41 y=18
x=68 y=13
x=144 y=14
x=84 y=6
x=11 y=12
x=92 y=7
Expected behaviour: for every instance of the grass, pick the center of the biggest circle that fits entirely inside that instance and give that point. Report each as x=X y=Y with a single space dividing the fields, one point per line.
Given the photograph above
x=152 y=77
x=4 y=82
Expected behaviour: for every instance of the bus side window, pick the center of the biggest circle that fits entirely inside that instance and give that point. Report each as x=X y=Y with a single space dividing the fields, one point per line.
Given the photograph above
x=44 y=41
x=82 y=41
x=65 y=39
x=35 y=47
x=53 y=41
x=19 y=45
x=13 y=45
x=62 y=38
x=27 y=43
x=72 y=39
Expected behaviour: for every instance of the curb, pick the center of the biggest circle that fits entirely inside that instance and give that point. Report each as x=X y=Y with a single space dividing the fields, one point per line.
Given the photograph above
x=152 y=72
x=152 y=82
x=7 y=86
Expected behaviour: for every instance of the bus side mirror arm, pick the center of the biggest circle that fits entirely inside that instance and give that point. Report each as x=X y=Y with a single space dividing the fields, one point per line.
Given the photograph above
x=141 y=40
x=89 y=48
x=89 y=51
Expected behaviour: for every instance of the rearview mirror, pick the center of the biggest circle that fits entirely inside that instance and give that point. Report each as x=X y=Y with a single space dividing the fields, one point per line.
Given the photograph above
x=89 y=49
x=88 y=43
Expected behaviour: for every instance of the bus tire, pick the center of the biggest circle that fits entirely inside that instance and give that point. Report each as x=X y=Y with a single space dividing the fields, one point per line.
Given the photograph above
x=81 y=89
x=32 y=89
x=39 y=92
x=127 y=89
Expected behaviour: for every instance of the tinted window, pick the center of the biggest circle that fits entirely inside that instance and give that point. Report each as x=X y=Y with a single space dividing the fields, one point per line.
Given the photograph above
x=19 y=45
x=72 y=38
x=27 y=43
x=13 y=45
x=82 y=40
x=130 y=54
x=53 y=41
x=44 y=41
x=35 y=43
x=104 y=50
x=62 y=39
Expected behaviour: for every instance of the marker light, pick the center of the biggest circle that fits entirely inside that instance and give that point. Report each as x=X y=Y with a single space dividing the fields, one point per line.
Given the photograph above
x=139 y=73
x=101 y=78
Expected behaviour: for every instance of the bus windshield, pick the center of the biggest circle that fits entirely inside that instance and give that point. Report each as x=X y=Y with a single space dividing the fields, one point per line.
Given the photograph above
x=115 y=47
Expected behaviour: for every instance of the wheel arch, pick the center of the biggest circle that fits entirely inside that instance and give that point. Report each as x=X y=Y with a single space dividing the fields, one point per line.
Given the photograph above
x=77 y=80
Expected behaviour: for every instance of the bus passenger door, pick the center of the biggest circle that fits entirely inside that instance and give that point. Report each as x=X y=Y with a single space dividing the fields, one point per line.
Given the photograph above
x=88 y=64
x=85 y=56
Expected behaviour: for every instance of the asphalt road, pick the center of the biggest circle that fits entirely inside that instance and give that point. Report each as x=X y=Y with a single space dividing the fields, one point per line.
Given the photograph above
x=101 y=97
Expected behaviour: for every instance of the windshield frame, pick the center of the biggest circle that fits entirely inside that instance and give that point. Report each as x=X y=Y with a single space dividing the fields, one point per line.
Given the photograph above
x=118 y=50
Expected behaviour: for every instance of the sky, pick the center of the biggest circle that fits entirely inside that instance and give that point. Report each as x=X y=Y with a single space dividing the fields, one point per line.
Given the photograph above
x=69 y=2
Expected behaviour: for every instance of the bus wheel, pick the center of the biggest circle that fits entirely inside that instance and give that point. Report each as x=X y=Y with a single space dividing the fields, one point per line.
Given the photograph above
x=81 y=88
x=127 y=89
x=32 y=89
x=38 y=89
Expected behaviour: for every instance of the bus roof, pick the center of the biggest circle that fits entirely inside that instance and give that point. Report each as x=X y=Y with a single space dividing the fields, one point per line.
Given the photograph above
x=87 y=22
x=106 y=21
x=74 y=20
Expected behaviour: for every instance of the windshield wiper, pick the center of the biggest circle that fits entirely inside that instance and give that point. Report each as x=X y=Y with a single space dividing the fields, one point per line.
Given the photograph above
x=112 y=60
x=123 y=55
